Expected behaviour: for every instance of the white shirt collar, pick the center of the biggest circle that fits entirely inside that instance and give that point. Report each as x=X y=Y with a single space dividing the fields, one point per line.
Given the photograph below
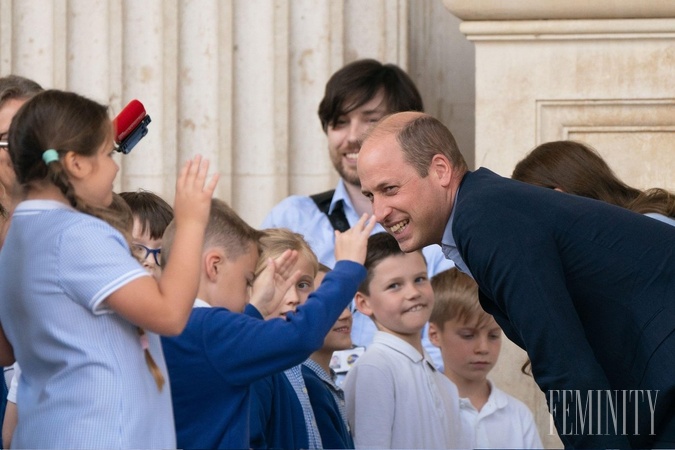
x=199 y=303
x=401 y=346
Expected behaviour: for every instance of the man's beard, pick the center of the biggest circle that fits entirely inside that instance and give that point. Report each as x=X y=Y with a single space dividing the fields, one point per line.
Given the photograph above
x=350 y=177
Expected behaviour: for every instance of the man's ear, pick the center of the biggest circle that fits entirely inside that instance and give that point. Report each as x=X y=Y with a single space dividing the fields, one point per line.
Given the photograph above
x=441 y=168
x=76 y=165
x=434 y=335
x=362 y=304
x=213 y=261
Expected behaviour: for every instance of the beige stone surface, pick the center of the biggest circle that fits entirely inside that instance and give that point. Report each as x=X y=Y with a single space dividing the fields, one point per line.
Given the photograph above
x=554 y=9
x=240 y=81
x=442 y=63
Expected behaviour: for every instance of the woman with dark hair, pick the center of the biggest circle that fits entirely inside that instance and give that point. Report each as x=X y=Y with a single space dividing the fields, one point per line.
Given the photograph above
x=576 y=168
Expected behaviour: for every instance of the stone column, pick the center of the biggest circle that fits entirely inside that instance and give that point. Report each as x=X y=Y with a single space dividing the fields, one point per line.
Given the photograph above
x=238 y=81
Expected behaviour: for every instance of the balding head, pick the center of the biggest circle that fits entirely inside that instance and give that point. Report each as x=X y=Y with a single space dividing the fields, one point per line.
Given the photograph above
x=420 y=137
x=393 y=123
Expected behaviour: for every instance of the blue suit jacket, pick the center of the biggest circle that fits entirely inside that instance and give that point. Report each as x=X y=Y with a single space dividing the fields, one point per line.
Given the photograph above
x=588 y=290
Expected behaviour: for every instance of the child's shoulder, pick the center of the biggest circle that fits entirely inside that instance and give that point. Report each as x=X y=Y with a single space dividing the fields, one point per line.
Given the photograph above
x=228 y=328
x=55 y=218
x=48 y=210
x=81 y=226
x=504 y=399
x=311 y=377
x=391 y=344
x=217 y=317
x=382 y=356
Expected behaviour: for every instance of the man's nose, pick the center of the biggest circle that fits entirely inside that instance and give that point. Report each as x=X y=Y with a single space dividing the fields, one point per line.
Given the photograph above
x=380 y=210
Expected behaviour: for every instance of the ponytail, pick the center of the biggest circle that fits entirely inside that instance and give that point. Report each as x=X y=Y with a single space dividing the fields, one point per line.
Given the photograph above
x=149 y=360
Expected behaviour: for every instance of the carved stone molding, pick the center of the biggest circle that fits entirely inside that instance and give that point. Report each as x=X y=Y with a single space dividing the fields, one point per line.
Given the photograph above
x=570 y=9
x=542 y=30
x=556 y=119
x=645 y=126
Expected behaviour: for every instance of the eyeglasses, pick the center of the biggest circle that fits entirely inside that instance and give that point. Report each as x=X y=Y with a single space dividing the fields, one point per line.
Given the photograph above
x=142 y=252
x=3 y=144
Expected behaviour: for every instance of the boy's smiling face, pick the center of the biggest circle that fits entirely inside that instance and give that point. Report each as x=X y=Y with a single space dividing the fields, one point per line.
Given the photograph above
x=400 y=298
x=339 y=337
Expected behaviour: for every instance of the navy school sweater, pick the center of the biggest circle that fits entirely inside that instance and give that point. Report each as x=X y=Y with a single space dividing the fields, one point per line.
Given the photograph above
x=220 y=353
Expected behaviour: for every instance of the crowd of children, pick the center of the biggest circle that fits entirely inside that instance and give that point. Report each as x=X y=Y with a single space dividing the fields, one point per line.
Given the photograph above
x=139 y=325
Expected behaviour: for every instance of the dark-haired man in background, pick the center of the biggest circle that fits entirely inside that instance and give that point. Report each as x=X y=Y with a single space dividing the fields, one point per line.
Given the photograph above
x=356 y=97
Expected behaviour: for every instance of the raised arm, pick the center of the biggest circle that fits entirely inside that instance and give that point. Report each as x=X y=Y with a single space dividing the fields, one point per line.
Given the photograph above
x=164 y=307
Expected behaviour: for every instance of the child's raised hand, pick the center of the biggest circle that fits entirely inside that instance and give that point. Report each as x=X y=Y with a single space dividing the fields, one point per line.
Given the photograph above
x=271 y=285
x=193 y=192
x=353 y=243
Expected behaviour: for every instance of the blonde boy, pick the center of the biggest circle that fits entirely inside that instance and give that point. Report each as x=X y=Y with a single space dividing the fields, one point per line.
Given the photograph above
x=470 y=341
x=394 y=395
x=281 y=411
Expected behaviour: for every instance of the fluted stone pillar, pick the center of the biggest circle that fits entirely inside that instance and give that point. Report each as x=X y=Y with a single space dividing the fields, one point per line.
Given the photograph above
x=600 y=72
x=149 y=53
x=238 y=81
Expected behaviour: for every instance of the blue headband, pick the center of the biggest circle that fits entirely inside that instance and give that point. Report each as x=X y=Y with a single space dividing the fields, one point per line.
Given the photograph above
x=49 y=156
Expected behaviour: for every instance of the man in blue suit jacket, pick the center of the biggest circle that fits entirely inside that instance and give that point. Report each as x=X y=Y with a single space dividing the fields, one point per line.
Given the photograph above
x=586 y=288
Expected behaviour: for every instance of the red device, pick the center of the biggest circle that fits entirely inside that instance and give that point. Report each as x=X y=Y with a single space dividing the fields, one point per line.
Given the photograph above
x=130 y=125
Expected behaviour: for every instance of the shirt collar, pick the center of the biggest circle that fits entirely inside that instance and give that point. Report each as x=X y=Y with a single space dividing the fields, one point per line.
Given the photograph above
x=496 y=400
x=199 y=303
x=318 y=370
x=498 y=396
x=340 y=194
x=448 y=244
x=448 y=239
x=40 y=204
x=401 y=346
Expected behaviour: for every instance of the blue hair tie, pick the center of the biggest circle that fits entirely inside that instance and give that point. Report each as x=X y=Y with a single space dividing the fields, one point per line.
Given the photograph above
x=49 y=156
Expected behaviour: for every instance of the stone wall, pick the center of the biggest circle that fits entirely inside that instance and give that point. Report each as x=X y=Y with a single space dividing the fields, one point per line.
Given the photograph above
x=236 y=80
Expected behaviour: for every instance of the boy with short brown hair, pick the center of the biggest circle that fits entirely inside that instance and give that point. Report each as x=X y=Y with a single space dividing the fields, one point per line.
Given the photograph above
x=470 y=341
x=395 y=396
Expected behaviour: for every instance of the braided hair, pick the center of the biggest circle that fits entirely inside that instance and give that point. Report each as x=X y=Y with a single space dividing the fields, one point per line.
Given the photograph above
x=63 y=121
